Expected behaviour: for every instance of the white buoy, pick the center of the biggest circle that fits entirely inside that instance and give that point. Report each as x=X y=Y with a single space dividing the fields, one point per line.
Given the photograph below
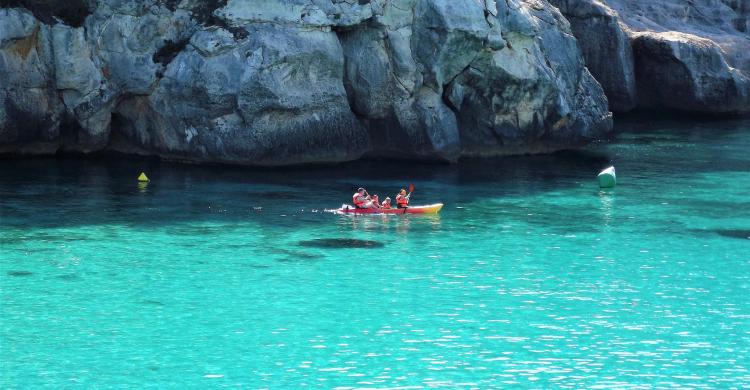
x=607 y=178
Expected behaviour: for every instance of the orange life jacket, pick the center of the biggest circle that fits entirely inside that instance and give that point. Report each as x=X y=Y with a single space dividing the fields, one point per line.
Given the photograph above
x=402 y=200
x=358 y=199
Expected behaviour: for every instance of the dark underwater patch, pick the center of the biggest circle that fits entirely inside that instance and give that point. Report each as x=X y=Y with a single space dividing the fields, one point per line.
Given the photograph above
x=293 y=256
x=305 y=255
x=734 y=233
x=297 y=259
x=285 y=195
x=11 y=240
x=68 y=277
x=341 y=243
x=20 y=273
x=151 y=302
x=289 y=259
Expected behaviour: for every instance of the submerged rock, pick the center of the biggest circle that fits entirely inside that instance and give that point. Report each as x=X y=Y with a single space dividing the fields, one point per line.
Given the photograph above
x=68 y=277
x=340 y=243
x=20 y=273
x=293 y=256
x=734 y=233
x=152 y=302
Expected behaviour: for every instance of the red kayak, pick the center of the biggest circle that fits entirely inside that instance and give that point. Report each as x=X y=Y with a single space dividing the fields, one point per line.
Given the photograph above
x=428 y=209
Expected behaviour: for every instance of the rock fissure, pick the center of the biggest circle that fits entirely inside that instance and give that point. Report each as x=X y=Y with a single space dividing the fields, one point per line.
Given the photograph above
x=169 y=51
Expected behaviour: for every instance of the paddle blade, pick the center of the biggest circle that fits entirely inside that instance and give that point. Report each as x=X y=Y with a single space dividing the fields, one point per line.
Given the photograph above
x=411 y=187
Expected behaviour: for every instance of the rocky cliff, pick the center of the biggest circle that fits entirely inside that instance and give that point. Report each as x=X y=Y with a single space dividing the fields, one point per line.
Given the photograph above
x=274 y=82
x=678 y=55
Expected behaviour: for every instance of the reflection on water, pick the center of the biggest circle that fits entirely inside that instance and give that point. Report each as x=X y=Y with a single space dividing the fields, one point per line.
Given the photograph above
x=388 y=222
x=607 y=199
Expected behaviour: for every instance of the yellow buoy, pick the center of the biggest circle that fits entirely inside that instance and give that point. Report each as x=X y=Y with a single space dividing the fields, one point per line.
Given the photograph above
x=143 y=177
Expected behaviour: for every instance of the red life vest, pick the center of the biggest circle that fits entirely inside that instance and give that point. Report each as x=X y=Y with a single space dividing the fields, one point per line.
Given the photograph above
x=356 y=199
x=402 y=200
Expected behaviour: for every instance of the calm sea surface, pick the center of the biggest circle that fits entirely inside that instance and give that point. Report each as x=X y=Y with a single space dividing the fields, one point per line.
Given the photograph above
x=531 y=276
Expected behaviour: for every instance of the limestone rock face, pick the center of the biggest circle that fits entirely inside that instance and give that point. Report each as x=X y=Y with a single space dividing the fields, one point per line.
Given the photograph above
x=607 y=48
x=668 y=54
x=537 y=83
x=30 y=106
x=683 y=72
x=275 y=82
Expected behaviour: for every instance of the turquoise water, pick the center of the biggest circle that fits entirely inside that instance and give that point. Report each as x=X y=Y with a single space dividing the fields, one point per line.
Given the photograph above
x=531 y=276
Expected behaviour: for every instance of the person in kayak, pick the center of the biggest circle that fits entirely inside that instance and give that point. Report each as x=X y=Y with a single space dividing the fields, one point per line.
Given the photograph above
x=402 y=199
x=386 y=203
x=361 y=200
x=375 y=202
